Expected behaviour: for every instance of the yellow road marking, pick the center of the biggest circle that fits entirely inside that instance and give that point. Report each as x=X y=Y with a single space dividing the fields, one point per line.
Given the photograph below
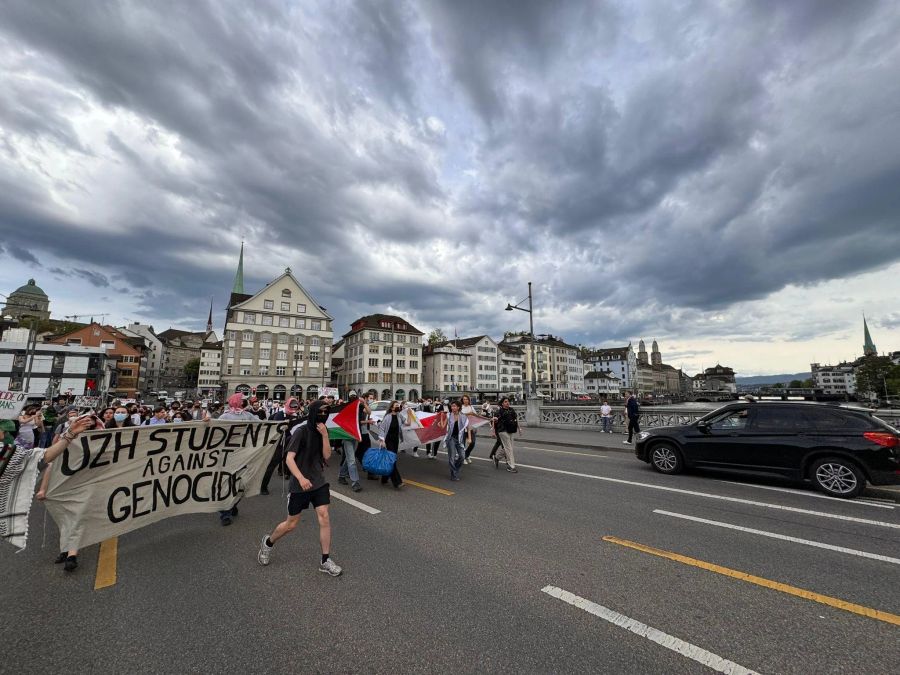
x=887 y=617
x=106 y=564
x=425 y=486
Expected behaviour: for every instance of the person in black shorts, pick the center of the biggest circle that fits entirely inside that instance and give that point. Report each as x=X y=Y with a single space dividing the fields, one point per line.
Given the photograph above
x=307 y=452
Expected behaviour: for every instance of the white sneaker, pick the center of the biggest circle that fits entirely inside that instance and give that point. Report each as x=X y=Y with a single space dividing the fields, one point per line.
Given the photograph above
x=331 y=567
x=265 y=551
x=468 y=460
x=627 y=442
x=416 y=454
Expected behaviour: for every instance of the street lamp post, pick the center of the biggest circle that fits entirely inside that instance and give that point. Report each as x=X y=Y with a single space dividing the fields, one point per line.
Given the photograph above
x=530 y=310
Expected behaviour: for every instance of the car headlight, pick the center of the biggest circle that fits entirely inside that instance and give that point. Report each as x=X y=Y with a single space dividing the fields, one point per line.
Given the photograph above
x=643 y=436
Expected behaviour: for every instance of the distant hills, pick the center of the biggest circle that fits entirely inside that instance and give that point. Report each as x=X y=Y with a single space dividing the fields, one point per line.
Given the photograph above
x=772 y=379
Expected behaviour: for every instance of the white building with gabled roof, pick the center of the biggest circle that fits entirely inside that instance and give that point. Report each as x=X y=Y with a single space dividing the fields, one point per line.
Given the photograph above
x=277 y=341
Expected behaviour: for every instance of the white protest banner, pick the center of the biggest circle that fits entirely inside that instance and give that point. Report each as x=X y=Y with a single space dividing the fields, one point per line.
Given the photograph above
x=11 y=404
x=107 y=483
x=328 y=391
x=86 y=402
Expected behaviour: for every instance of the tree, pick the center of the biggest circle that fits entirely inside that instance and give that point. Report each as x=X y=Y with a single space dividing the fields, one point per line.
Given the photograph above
x=796 y=384
x=192 y=370
x=436 y=337
x=809 y=383
x=872 y=374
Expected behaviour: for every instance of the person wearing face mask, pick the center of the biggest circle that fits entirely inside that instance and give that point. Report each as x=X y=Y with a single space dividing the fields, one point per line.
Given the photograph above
x=120 y=419
x=390 y=436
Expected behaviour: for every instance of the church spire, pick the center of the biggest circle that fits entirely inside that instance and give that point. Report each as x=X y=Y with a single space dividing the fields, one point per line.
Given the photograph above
x=209 y=320
x=239 y=275
x=868 y=345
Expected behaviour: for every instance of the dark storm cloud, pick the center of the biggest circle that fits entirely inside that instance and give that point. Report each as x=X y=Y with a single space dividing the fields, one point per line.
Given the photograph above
x=672 y=158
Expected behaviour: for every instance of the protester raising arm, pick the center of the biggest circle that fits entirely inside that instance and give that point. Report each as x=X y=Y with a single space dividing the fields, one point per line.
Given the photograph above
x=75 y=428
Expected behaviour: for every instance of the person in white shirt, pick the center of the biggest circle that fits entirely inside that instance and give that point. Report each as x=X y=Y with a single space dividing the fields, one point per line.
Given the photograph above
x=606 y=417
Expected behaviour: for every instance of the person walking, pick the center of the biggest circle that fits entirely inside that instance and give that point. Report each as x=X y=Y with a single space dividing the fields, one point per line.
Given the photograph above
x=466 y=408
x=632 y=411
x=306 y=456
x=506 y=423
x=606 y=417
x=458 y=433
x=291 y=414
x=235 y=411
x=390 y=436
x=349 y=445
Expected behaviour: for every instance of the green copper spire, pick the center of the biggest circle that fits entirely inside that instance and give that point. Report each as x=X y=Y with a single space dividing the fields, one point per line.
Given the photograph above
x=869 y=346
x=239 y=276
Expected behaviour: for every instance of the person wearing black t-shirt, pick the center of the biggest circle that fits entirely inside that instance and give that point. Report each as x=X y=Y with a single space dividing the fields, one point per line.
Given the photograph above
x=307 y=452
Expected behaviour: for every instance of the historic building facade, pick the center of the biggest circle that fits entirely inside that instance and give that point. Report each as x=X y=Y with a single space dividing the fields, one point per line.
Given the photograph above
x=383 y=354
x=277 y=341
x=27 y=301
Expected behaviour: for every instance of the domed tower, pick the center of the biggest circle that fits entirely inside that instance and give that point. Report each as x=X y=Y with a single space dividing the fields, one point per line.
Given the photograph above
x=655 y=356
x=28 y=301
x=642 y=353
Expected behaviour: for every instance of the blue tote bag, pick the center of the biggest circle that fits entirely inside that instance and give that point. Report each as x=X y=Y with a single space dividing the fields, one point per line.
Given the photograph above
x=379 y=461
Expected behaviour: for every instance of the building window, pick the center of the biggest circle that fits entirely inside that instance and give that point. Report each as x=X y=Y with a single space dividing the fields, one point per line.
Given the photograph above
x=111 y=344
x=249 y=318
x=314 y=342
x=279 y=371
x=401 y=363
x=267 y=320
x=268 y=304
x=373 y=349
x=413 y=351
x=263 y=370
x=231 y=352
x=373 y=363
x=282 y=355
x=73 y=341
x=315 y=324
x=301 y=309
x=283 y=338
x=284 y=322
x=247 y=336
x=401 y=351
x=300 y=323
x=246 y=352
x=385 y=363
x=285 y=307
x=229 y=335
x=314 y=356
x=264 y=354
x=228 y=370
x=245 y=370
x=413 y=364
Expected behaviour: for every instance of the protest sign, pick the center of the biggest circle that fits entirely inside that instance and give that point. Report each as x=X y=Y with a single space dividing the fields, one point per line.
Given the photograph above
x=11 y=404
x=86 y=402
x=328 y=391
x=107 y=483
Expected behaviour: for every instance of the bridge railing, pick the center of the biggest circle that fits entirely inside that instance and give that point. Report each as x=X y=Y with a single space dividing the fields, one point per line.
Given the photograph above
x=587 y=418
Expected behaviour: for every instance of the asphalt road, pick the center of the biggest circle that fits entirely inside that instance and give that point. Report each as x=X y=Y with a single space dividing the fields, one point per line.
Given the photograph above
x=510 y=573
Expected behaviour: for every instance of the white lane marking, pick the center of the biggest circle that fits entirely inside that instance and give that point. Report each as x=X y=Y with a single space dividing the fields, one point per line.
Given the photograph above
x=671 y=642
x=694 y=493
x=562 y=452
x=858 y=502
x=353 y=502
x=783 y=537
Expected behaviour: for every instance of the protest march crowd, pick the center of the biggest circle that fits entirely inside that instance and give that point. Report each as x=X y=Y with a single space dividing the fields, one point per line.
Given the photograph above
x=300 y=440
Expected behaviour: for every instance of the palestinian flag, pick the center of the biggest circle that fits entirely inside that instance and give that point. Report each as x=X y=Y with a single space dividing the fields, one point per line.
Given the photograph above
x=343 y=422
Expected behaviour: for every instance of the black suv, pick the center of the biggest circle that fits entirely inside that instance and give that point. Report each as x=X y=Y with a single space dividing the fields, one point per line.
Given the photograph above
x=838 y=449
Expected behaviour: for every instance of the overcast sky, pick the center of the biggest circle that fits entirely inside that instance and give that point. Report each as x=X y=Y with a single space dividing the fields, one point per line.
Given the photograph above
x=723 y=177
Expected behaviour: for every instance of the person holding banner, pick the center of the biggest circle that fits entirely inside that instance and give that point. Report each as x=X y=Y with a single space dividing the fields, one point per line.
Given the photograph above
x=349 y=445
x=307 y=453
x=458 y=433
x=235 y=411
x=390 y=436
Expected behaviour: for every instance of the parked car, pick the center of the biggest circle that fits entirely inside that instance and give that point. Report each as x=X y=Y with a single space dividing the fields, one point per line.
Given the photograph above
x=838 y=449
x=378 y=409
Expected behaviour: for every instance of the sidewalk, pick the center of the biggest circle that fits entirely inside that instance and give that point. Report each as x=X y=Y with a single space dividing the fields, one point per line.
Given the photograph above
x=592 y=440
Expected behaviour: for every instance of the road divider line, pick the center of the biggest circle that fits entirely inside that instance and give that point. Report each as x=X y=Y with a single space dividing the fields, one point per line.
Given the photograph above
x=353 y=502
x=563 y=452
x=430 y=488
x=782 y=537
x=691 y=651
x=106 y=564
x=837 y=603
x=695 y=493
x=816 y=495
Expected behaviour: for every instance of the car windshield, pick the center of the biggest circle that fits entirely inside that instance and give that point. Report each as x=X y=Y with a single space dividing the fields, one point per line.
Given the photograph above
x=710 y=415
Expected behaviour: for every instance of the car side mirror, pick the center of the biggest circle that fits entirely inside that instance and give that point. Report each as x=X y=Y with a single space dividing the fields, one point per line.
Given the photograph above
x=703 y=426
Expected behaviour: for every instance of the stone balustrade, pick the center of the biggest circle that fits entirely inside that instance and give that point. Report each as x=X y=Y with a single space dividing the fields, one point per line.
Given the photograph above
x=587 y=418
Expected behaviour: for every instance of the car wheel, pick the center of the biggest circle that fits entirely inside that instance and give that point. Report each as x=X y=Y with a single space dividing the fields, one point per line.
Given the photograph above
x=838 y=477
x=665 y=458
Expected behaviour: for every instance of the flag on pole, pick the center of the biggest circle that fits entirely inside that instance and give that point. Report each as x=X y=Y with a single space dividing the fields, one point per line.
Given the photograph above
x=343 y=422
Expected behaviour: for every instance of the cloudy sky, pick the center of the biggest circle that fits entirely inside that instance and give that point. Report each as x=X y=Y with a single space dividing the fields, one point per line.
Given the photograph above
x=723 y=177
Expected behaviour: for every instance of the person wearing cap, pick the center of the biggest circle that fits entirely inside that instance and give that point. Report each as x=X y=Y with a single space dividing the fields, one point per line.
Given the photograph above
x=349 y=446
x=291 y=413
